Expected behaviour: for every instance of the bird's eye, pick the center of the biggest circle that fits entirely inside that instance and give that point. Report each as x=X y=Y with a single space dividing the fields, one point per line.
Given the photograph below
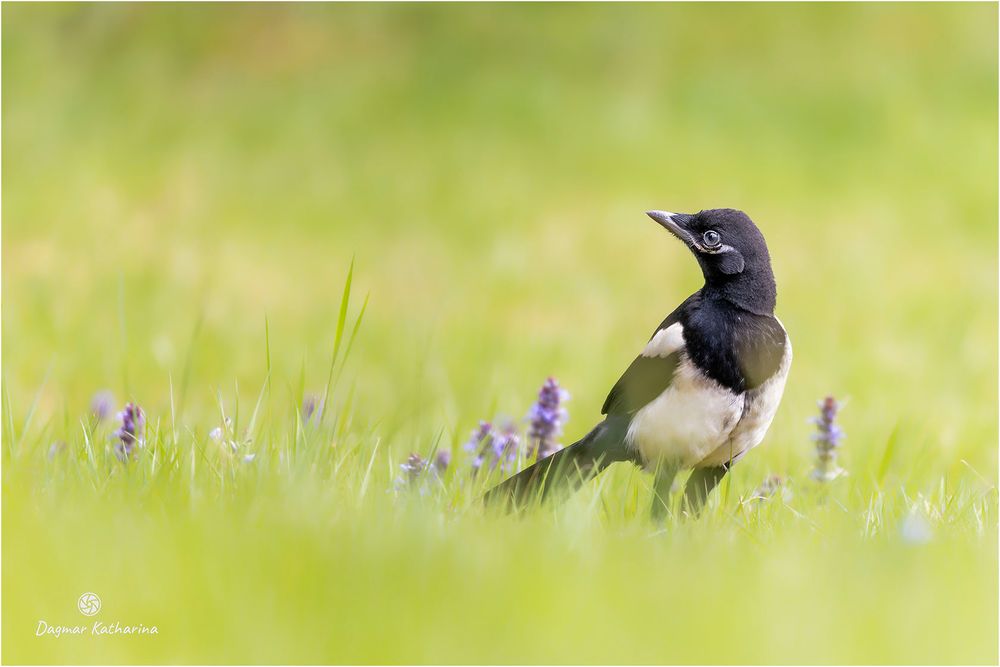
x=711 y=238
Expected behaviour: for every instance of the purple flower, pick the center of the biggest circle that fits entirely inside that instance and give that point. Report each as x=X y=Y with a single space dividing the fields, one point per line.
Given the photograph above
x=493 y=446
x=478 y=443
x=56 y=448
x=547 y=417
x=310 y=404
x=102 y=405
x=415 y=464
x=442 y=460
x=772 y=485
x=219 y=433
x=479 y=435
x=130 y=432
x=827 y=438
x=415 y=467
x=505 y=445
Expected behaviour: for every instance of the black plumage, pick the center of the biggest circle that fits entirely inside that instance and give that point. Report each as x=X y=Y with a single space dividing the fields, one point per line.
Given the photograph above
x=705 y=388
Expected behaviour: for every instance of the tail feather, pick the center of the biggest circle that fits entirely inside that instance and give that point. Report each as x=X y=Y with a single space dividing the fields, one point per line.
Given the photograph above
x=569 y=467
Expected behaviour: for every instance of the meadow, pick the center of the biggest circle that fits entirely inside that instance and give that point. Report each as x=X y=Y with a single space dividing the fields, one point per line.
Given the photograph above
x=187 y=188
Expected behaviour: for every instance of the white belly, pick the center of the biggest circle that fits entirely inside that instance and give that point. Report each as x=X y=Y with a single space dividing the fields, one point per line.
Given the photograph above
x=696 y=422
x=690 y=420
x=759 y=408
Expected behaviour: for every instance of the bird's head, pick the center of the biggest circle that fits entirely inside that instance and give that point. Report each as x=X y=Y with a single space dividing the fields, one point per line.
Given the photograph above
x=731 y=251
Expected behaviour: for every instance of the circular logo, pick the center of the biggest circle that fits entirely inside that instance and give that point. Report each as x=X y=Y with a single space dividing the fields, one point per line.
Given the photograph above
x=89 y=604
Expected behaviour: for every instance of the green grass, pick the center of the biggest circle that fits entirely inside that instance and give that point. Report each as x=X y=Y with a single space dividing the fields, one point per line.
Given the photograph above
x=184 y=189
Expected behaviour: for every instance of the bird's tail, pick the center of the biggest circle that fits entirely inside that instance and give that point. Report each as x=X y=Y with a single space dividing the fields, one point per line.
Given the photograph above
x=569 y=467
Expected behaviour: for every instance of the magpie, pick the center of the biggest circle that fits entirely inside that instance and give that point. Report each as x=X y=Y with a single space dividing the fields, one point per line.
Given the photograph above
x=704 y=389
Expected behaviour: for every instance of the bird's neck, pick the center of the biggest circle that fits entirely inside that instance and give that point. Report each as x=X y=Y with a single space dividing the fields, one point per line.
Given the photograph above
x=752 y=290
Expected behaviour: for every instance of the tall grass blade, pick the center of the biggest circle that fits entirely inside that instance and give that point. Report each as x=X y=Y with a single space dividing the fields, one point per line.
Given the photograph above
x=188 y=356
x=890 y=448
x=267 y=354
x=338 y=336
x=368 y=471
x=350 y=340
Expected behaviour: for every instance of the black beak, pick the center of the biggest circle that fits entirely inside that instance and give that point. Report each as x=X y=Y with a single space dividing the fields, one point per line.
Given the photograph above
x=675 y=223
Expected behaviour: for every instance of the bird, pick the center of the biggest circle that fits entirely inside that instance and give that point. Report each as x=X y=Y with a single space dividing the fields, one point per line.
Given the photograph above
x=702 y=392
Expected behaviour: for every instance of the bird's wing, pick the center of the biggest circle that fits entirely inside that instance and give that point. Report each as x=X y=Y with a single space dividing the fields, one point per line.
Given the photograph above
x=653 y=370
x=644 y=380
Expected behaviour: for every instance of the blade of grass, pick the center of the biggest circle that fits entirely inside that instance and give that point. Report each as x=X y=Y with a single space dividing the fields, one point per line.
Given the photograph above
x=341 y=424
x=86 y=444
x=338 y=336
x=123 y=331
x=236 y=410
x=189 y=355
x=350 y=340
x=368 y=471
x=260 y=399
x=34 y=406
x=10 y=418
x=890 y=448
x=267 y=353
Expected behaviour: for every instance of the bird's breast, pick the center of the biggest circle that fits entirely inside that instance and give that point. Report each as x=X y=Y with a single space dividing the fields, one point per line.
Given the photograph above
x=698 y=422
x=688 y=421
x=759 y=407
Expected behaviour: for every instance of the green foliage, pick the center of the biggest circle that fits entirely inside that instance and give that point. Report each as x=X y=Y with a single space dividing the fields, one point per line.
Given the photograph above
x=185 y=188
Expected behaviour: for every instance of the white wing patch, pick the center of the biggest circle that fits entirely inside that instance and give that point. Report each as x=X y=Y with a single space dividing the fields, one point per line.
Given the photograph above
x=665 y=342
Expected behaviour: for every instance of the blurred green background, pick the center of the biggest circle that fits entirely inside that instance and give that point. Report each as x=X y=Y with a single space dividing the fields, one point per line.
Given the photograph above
x=175 y=174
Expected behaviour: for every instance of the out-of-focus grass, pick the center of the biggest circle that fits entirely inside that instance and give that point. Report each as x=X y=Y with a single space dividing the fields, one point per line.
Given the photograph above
x=175 y=174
